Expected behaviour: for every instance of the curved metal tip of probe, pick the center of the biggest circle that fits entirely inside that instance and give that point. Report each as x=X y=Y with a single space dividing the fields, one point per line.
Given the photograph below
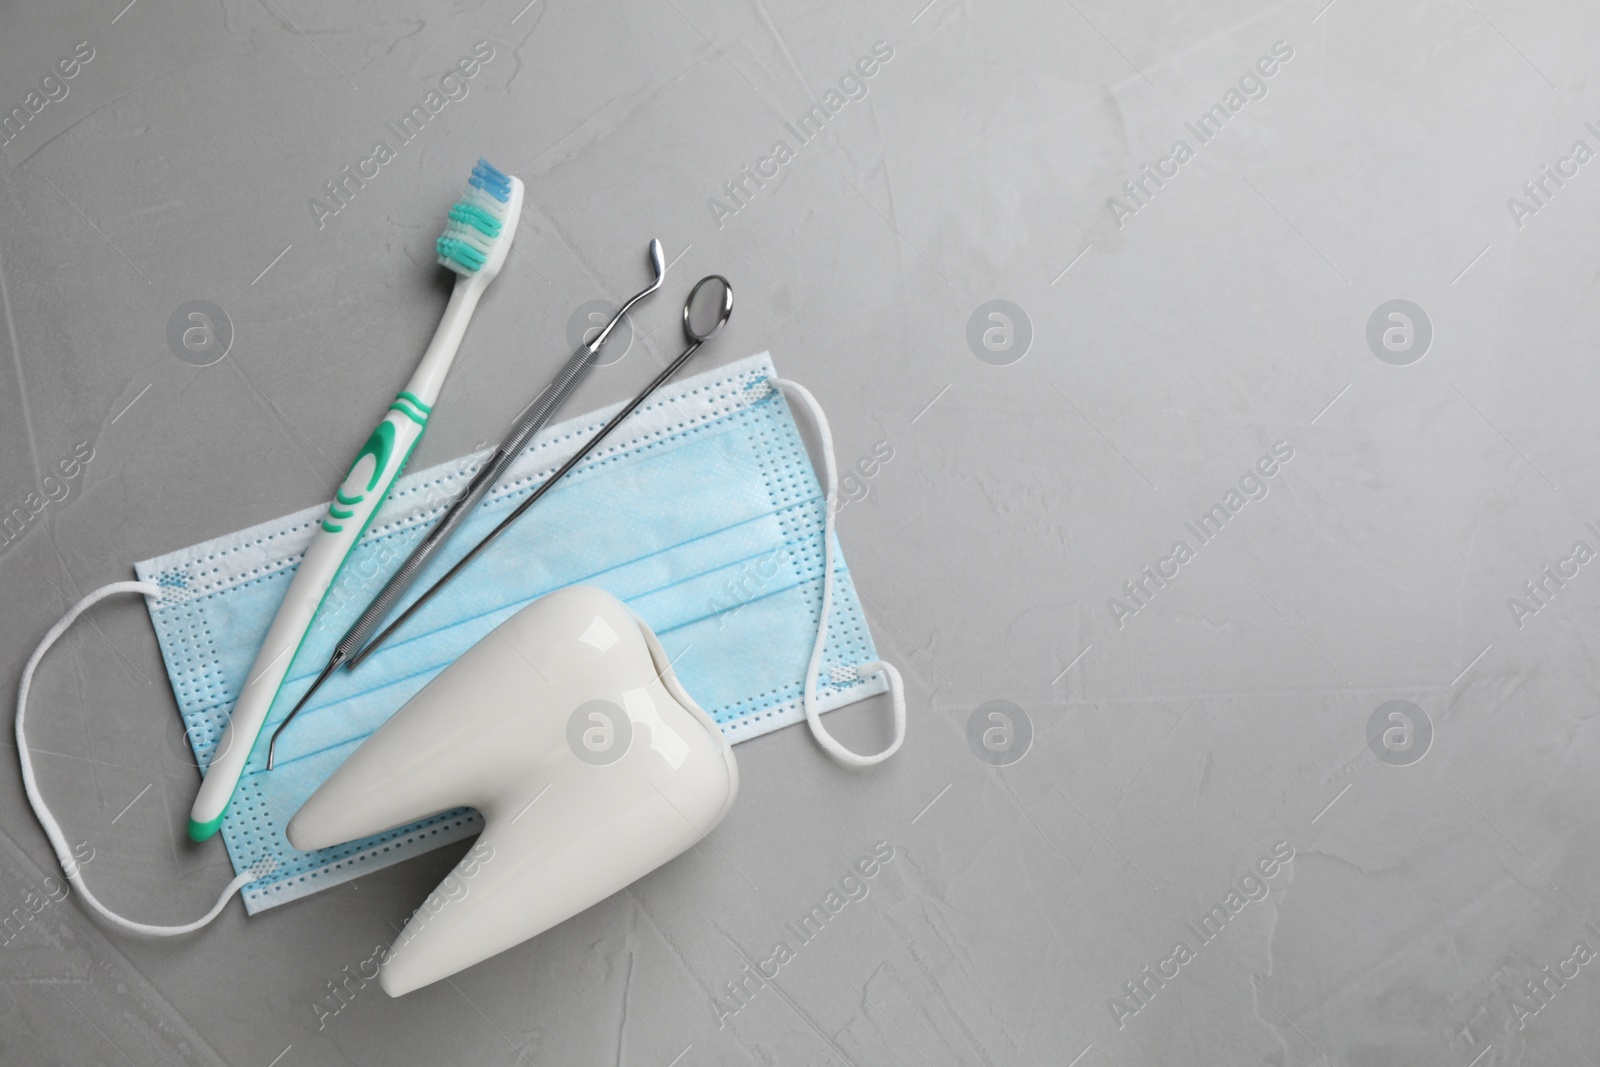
x=658 y=262
x=272 y=742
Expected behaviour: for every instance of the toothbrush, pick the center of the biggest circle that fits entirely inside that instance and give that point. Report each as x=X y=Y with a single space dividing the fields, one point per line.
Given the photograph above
x=474 y=245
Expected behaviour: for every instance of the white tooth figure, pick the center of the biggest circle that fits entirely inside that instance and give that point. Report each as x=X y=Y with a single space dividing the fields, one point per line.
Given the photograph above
x=566 y=728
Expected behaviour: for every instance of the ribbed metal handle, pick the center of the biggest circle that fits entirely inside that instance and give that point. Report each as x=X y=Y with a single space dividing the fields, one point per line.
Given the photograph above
x=529 y=423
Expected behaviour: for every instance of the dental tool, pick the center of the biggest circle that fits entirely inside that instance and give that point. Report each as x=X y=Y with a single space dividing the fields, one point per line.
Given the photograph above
x=530 y=422
x=474 y=244
x=698 y=328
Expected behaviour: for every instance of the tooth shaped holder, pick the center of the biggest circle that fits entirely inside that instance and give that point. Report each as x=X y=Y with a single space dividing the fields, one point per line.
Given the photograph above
x=567 y=729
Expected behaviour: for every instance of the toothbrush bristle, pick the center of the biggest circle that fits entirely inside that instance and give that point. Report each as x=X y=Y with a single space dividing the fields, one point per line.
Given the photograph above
x=476 y=221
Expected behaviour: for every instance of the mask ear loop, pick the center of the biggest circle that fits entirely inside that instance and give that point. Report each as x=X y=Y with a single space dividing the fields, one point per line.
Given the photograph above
x=897 y=690
x=41 y=810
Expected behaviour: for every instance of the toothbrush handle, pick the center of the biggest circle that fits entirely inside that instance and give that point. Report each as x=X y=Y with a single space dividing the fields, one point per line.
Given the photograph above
x=364 y=488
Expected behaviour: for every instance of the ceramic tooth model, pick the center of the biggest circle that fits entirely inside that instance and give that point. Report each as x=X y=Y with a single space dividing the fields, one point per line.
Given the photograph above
x=567 y=729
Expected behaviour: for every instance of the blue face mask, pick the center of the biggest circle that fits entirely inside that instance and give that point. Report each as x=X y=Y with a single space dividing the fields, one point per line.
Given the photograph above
x=702 y=513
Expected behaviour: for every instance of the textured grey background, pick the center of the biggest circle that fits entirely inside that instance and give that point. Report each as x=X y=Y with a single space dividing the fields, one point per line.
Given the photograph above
x=1168 y=354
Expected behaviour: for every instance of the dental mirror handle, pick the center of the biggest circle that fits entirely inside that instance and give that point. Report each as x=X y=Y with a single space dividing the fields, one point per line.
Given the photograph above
x=533 y=499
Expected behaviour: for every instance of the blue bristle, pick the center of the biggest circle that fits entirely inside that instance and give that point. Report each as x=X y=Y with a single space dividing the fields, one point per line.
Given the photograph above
x=486 y=177
x=489 y=170
x=500 y=193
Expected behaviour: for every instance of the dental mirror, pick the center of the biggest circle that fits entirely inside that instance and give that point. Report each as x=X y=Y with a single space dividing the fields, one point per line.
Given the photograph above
x=708 y=308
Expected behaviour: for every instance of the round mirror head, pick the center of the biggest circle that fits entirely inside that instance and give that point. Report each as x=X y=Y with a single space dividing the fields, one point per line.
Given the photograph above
x=708 y=308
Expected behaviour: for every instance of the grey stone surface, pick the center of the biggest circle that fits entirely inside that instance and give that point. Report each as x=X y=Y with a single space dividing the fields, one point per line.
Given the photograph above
x=1177 y=338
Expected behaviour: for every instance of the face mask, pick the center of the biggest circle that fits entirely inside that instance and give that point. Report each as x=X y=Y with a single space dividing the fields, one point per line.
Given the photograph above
x=702 y=513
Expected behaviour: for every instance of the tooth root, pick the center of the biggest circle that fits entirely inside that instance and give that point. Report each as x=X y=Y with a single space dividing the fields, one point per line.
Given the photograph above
x=569 y=849
x=561 y=831
x=445 y=749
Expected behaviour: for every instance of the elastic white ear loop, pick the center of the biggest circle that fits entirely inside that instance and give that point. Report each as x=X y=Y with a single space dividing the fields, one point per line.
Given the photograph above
x=41 y=810
x=897 y=691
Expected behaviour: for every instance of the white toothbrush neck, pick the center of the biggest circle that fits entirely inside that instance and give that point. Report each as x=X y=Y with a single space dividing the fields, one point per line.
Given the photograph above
x=430 y=373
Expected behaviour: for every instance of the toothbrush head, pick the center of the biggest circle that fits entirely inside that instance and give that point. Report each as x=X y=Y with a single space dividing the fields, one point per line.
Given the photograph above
x=478 y=236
